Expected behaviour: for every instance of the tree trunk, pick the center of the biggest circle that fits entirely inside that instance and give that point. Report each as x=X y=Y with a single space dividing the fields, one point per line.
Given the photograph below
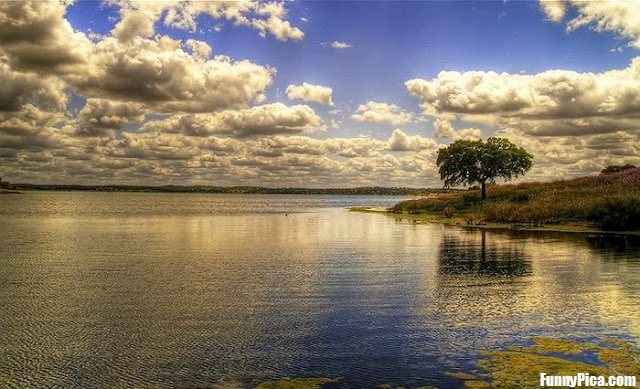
x=484 y=190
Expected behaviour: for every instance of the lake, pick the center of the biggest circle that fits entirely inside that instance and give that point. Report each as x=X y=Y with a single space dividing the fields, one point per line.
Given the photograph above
x=153 y=290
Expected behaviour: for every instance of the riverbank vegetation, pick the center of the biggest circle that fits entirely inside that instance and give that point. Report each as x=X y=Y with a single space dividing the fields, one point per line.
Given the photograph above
x=609 y=201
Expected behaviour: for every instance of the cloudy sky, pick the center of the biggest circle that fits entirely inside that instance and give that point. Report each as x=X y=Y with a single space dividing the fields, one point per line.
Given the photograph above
x=311 y=93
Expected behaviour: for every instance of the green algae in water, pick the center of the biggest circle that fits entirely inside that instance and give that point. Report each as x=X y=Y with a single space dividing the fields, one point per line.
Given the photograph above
x=550 y=345
x=521 y=366
x=460 y=375
x=476 y=384
x=296 y=383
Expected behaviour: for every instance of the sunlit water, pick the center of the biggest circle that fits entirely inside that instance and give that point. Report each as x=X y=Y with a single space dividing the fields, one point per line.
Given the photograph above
x=198 y=291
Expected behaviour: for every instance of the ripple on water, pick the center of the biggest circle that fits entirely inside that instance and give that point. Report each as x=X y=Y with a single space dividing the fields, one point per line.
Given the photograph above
x=149 y=291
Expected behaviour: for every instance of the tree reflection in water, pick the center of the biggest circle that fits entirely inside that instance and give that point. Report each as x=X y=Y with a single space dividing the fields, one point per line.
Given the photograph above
x=482 y=254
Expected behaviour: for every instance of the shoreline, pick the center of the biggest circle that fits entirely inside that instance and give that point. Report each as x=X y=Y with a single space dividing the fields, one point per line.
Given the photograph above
x=435 y=218
x=242 y=189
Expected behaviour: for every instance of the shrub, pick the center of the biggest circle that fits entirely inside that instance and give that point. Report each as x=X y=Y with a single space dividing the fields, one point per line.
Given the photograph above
x=448 y=212
x=616 y=168
x=520 y=197
x=617 y=213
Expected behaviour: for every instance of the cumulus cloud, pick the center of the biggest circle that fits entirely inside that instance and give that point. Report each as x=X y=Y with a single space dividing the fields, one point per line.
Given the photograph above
x=620 y=17
x=444 y=129
x=381 y=112
x=206 y=126
x=133 y=25
x=568 y=156
x=159 y=73
x=36 y=41
x=553 y=102
x=342 y=147
x=554 y=9
x=34 y=35
x=100 y=117
x=210 y=123
x=269 y=119
x=309 y=92
x=19 y=89
x=268 y=18
x=199 y=49
x=400 y=141
x=29 y=129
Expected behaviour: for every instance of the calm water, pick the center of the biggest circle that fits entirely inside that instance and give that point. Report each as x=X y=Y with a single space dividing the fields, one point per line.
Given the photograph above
x=198 y=291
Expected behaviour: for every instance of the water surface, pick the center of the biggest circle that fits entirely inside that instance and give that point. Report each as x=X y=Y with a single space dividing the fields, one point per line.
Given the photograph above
x=153 y=290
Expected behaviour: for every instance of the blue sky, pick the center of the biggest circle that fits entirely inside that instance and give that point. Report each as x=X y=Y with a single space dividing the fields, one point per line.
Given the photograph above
x=386 y=86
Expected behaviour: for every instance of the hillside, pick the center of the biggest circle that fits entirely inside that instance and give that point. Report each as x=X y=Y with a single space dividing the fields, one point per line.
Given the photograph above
x=608 y=201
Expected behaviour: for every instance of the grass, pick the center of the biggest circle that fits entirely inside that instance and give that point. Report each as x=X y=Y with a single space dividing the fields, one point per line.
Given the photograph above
x=604 y=202
x=7 y=191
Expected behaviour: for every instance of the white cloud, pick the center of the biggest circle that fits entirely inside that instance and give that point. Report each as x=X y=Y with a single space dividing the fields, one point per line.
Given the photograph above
x=337 y=45
x=381 y=112
x=620 y=17
x=132 y=25
x=199 y=49
x=100 y=117
x=36 y=37
x=269 y=119
x=553 y=102
x=554 y=9
x=340 y=45
x=444 y=129
x=268 y=18
x=400 y=141
x=30 y=128
x=160 y=74
x=309 y=92
x=208 y=128
x=19 y=89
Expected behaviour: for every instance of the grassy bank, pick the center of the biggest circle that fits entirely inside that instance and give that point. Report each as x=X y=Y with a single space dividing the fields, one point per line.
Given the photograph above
x=8 y=191
x=604 y=202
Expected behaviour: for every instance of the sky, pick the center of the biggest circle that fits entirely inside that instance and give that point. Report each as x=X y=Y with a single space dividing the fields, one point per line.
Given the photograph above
x=311 y=93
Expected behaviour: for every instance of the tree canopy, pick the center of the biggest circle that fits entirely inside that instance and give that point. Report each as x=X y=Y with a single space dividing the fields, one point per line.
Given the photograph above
x=617 y=168
x=469 y=161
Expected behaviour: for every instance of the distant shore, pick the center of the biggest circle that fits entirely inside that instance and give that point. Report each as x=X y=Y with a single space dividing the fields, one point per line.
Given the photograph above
x=357 y=191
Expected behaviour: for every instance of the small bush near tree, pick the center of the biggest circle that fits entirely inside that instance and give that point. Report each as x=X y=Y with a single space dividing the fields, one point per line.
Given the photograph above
x=617 y=213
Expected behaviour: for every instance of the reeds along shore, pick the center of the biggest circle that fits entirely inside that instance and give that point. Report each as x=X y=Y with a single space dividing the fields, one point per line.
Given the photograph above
x=609 y=201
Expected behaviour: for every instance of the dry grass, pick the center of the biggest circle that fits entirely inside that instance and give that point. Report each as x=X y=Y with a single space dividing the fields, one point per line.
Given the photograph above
x=610 y=201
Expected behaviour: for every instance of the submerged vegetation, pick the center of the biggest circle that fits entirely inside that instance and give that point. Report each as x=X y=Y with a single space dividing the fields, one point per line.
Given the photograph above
x=520 y=366
x=296 y=383
x=610 y=201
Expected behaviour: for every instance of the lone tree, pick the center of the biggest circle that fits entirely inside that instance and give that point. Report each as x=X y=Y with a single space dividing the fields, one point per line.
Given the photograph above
x=468 y=161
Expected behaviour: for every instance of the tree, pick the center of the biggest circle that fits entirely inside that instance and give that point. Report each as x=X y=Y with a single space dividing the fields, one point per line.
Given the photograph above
x=468 y=161
x=616 y=168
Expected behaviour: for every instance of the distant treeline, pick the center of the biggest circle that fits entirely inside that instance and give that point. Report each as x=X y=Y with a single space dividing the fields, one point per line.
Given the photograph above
x=369 y=190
